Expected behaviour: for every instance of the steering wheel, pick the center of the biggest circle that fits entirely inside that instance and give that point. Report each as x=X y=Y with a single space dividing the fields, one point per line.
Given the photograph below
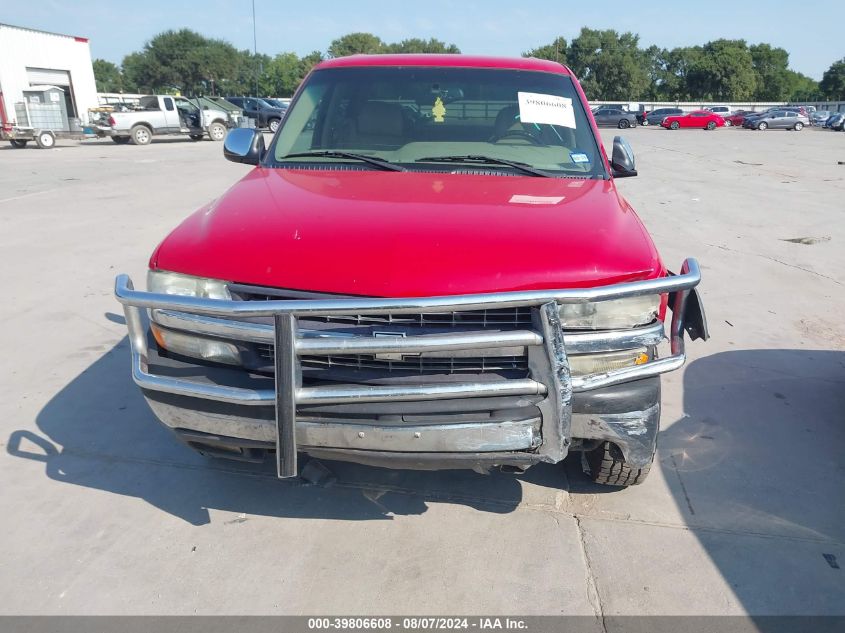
x=517 y=134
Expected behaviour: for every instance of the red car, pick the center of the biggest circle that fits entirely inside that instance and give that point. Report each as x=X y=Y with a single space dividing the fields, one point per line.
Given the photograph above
x=430 y=266
x=738 y=117
x=701 y=119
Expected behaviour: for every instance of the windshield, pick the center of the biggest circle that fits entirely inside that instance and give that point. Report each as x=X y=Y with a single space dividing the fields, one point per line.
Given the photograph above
x=413 y=116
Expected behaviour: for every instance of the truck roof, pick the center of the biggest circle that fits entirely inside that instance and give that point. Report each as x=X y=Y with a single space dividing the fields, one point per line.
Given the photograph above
x=463 y=61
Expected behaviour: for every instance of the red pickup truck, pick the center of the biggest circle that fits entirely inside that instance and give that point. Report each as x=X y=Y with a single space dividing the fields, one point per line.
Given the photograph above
x=430 y=266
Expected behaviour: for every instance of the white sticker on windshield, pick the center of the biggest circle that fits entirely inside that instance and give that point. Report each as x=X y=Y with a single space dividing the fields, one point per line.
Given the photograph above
x=578 y=157
x=549 y=109
x=520 y=199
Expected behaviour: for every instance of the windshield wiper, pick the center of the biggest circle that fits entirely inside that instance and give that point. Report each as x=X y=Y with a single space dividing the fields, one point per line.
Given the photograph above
x=490 y=160
x=372 y=160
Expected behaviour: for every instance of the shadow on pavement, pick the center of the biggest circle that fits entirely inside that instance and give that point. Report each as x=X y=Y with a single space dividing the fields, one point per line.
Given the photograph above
x=756 y=466
x=99 y=432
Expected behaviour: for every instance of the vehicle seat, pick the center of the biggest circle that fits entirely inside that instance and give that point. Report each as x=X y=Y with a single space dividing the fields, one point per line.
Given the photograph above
x=378 y=124
x=507 y=120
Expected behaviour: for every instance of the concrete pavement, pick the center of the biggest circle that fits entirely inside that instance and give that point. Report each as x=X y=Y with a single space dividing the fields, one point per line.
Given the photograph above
x=744 y=511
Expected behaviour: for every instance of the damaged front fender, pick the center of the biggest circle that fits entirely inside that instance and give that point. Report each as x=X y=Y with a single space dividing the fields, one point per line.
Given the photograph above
x=635 y=432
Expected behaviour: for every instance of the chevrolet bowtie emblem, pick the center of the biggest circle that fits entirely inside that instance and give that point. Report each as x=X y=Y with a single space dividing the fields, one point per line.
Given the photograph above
x=391 y=355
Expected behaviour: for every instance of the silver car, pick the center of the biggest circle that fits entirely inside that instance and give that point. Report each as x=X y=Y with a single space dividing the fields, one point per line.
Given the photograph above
x=780 y=120
x=818 y=117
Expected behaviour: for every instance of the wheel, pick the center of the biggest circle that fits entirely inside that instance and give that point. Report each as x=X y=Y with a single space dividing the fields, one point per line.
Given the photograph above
x=120 y=140
x=141 y=135
x=217 y=131
x=45 y=139
x=711 y=125
x=728 y=123
x=608 y=467
x=624 y=124
x=674 y=125
x=18 y=143
x=763 y=125
x=798 y=126
x=195 y=137
x=273 y=124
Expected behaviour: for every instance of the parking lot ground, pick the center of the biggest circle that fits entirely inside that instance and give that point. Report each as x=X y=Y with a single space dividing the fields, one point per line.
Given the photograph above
x=744 y=511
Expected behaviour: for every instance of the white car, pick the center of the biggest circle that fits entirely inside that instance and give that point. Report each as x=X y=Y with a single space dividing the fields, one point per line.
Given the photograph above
x=722 y=110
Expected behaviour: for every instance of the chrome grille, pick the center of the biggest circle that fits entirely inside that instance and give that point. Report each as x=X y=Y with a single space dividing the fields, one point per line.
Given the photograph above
x=506 y=318
x=410 y=363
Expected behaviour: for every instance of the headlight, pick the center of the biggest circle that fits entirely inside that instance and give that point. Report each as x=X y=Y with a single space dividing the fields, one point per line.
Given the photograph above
x=586 y=364
x=616 y=314
x=185 y=343
x=186 y=285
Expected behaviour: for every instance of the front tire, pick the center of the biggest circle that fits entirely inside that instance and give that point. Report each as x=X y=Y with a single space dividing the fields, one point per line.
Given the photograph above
x=608 y=467
x=728 y=123
x=674 y=125
x=711 y=125
x=141 y=135
x=624 y=124
x=273 y=124
x=216 y=131
x=763 y=126
x=798 y=126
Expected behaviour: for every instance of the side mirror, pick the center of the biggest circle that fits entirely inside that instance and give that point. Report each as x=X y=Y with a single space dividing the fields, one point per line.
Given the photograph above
x=244 y=145
x=622 y=163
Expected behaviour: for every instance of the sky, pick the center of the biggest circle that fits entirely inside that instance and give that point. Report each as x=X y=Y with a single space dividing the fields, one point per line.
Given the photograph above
x=491 y=27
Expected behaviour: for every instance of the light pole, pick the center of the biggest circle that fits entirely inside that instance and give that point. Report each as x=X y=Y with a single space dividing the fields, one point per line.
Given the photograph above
x=255 y=48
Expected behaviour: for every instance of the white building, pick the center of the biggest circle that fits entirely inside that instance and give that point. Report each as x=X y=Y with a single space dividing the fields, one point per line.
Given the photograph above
x=33 y=59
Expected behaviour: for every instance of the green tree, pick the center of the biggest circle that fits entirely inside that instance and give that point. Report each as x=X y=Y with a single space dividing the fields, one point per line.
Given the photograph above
x=282 y=75
x=135 y=73
x=610 y=65
x=417 y=45
x=354 y=44
x=183 y=60
x=722 y=72
x=771 y=66
x=554 y=51
x=832 y=84
x=801 y=87
x=309 y=61
x=108 y=76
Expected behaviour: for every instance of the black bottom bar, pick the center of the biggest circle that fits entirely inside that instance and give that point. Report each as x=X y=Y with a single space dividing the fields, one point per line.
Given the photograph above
x=286 y=382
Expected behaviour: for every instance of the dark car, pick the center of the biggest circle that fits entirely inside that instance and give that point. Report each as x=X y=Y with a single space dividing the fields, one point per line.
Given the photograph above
x=265 y=114
x=656 y=117
x=277 y=103
x=614 y=117
x=836 y=121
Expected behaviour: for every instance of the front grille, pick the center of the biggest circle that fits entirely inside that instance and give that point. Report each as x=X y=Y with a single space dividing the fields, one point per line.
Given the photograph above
x=409 y=363
x=419 y=323
x=514 y=318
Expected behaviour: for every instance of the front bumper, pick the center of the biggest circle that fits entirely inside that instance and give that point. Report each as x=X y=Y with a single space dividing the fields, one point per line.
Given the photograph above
x=512 y=421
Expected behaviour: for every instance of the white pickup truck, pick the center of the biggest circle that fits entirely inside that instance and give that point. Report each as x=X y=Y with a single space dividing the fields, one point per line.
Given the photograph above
x=165 y=114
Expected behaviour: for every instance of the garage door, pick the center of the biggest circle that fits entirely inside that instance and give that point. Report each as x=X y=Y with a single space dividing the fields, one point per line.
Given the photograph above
x=47 y=77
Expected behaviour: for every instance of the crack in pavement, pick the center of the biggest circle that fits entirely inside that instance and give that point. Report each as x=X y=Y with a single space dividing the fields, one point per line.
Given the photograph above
x=681 y=481
x=593 y=595
x=776 y=260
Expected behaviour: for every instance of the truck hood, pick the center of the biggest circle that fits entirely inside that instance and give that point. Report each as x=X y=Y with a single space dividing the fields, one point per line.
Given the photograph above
x=406 y=234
